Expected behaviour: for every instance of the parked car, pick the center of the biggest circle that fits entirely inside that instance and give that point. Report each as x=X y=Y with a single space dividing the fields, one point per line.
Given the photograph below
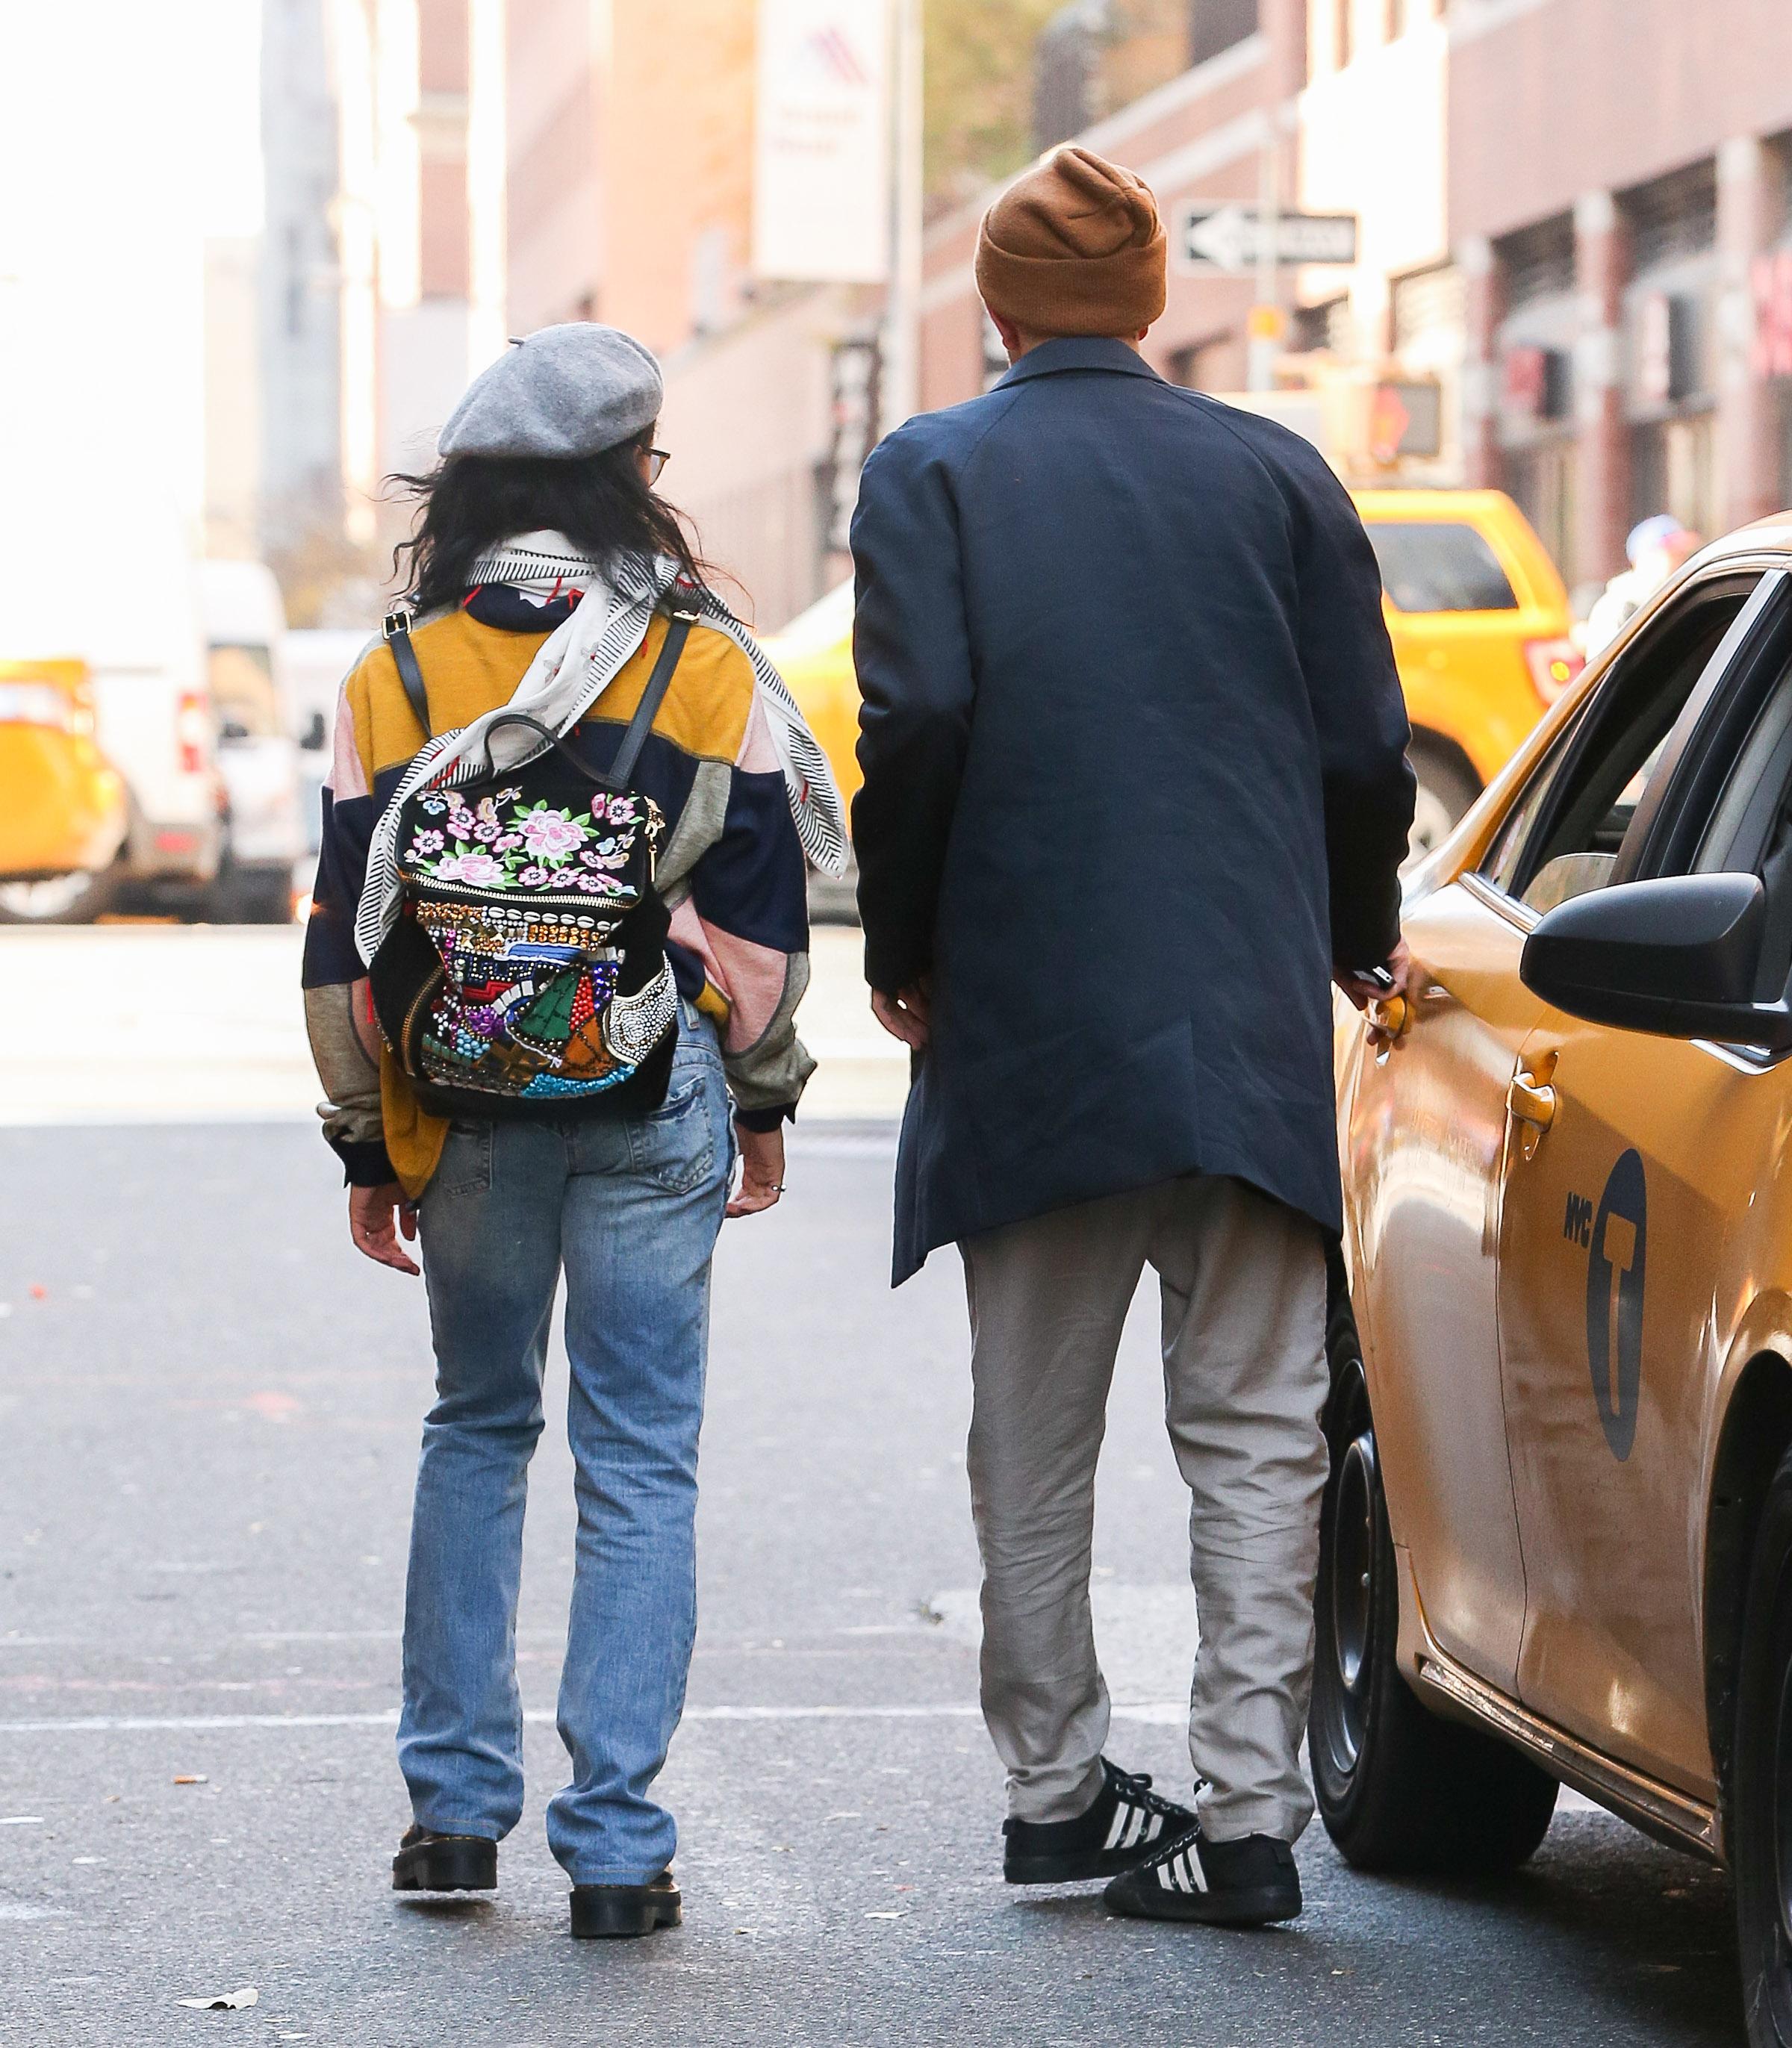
x=814 y=654
x=65 y=812
x=127 y=644
x=1477 y=613
x=257 y=751
x=1480 y=626
x=1557 y=1543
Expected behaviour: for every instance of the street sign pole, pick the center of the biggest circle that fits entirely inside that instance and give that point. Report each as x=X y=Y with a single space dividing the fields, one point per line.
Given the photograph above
x=1265 y=320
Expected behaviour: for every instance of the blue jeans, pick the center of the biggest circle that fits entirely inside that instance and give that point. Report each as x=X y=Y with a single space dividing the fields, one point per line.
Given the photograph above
x=630 y=1209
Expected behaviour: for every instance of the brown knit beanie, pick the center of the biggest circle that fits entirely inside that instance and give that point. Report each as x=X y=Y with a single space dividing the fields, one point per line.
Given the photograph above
x=1074 y=247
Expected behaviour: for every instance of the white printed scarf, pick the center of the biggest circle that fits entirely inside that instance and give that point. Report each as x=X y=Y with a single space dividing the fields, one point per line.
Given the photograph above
x=573 y=668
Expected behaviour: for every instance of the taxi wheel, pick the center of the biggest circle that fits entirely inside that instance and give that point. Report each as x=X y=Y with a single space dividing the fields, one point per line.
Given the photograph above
x=61 y=899
x=1399 y=1789
x=1760 y=1804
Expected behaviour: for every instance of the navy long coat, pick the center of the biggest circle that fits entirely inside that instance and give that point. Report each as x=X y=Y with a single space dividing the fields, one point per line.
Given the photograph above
x=1134 y=749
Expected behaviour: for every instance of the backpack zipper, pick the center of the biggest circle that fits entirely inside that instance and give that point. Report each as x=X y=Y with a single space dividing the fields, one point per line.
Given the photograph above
x=431 y=985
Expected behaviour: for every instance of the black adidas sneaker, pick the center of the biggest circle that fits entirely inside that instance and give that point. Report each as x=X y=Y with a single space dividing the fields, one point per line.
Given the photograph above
x=1127 y=1820
x=1245 y=1884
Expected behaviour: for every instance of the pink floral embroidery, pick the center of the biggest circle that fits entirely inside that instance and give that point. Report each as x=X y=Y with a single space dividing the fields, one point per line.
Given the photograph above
x=478 y=870
x=550 y=835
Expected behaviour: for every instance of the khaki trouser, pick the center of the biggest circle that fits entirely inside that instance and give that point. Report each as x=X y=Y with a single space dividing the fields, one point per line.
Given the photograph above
x=1243 y=1285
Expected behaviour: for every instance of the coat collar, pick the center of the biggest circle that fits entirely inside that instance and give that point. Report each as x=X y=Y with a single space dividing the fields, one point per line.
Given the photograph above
x=1078 y=352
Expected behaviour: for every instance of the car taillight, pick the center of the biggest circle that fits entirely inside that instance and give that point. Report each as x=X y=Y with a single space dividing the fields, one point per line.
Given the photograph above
x=193 y=733
x=1554 y=664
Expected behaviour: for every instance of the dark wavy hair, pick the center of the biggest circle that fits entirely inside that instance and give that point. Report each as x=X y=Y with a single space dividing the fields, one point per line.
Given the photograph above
x=470 y=503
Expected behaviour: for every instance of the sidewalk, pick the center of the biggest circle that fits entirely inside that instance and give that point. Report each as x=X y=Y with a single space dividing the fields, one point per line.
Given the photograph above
x=182 y=1024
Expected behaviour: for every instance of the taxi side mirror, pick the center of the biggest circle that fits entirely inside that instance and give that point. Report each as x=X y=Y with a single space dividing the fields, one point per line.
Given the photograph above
x=1679 y=956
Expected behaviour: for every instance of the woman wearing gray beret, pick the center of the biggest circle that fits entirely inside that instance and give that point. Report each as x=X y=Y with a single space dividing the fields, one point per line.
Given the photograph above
x=560 y=937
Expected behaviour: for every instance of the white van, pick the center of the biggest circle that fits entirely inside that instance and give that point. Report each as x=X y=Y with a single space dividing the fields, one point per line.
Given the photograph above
x=257 y=751
x=318 y=658
x=107 y=593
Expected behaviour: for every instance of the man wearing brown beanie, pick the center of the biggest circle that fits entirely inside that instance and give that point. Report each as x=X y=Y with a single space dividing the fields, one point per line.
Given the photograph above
x=1134 y=787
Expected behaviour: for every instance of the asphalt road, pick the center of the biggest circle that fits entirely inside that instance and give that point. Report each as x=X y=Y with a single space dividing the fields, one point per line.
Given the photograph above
x=210 y=1414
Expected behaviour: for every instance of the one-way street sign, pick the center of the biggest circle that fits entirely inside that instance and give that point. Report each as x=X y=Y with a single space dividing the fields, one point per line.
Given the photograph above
x=1223 y=236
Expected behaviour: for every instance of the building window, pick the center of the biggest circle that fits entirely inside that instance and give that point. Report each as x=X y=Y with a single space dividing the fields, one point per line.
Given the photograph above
x=1541 y=479
x=1215 y=26
x=1428 y=304
x=1539 y=261
x=1673 y=468
x=1321 y=327
x=1676 y=215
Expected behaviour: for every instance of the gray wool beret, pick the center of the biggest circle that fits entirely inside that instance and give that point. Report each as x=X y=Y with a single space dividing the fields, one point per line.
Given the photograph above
x=569 y=390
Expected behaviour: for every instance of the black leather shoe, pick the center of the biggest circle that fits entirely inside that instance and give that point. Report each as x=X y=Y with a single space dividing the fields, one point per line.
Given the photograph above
x=1247 y=1884
x=1127 y=1822
x=618 y=1912
x=427 y=1862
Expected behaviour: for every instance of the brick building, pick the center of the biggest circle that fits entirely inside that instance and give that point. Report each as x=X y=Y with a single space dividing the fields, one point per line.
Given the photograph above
x=1575 y=234
x=1620 y=196
x=629 y=156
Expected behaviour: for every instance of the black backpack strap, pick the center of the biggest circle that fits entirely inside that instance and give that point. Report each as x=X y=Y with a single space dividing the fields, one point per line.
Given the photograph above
x=617 y=776
x=397 y=629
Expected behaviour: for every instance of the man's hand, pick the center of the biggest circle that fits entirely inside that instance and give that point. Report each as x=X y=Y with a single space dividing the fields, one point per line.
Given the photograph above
x=762 y=1171
x=375 y=1217
x=1362 y=991
x=907 y=1014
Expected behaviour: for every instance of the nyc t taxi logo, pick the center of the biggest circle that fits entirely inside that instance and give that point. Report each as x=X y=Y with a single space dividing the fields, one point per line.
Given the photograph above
x=1615 y=1237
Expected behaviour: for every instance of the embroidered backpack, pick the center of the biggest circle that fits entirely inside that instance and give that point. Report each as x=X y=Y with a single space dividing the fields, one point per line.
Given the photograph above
x=527 y=975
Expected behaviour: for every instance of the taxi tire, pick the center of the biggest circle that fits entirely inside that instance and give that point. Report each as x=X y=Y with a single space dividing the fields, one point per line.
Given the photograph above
x=92 y=900
x=1420 y=1793
x=1759 y=1820
x=1447 y=789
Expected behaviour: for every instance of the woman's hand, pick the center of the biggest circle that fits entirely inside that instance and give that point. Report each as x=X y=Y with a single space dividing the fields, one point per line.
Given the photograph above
x=762 y=1171
x=375 y=1217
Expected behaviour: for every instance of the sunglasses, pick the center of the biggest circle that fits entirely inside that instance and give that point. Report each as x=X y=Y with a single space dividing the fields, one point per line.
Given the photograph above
x=656 y=460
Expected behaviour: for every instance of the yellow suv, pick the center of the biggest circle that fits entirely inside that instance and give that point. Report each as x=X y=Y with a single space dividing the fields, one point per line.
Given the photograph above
x=1480 y=622
x=1477 y=613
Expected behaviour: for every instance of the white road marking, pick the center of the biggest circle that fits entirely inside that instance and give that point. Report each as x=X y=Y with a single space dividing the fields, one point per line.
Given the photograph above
x=388 y=1718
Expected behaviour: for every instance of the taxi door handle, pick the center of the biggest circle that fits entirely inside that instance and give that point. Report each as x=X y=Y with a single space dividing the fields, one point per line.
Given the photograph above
x=1531 y=1100
x=1390 y=1015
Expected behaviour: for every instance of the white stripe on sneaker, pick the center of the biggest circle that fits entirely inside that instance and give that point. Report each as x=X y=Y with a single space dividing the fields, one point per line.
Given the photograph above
x=1182 y=1872
x=1117 y=1827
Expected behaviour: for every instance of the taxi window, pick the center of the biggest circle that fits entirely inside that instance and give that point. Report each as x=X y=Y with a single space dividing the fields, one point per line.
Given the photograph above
x=1563 y=836
x=1437 y=565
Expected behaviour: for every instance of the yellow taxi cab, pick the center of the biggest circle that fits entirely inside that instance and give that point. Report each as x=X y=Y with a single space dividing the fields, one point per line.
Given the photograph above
x=1477 y=613
x=64 y=811
x=1480 y=625
x=813 y=654
x=1557 y=1545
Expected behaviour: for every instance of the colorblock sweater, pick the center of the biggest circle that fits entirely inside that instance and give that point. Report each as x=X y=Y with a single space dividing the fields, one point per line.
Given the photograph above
x=730 y=868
